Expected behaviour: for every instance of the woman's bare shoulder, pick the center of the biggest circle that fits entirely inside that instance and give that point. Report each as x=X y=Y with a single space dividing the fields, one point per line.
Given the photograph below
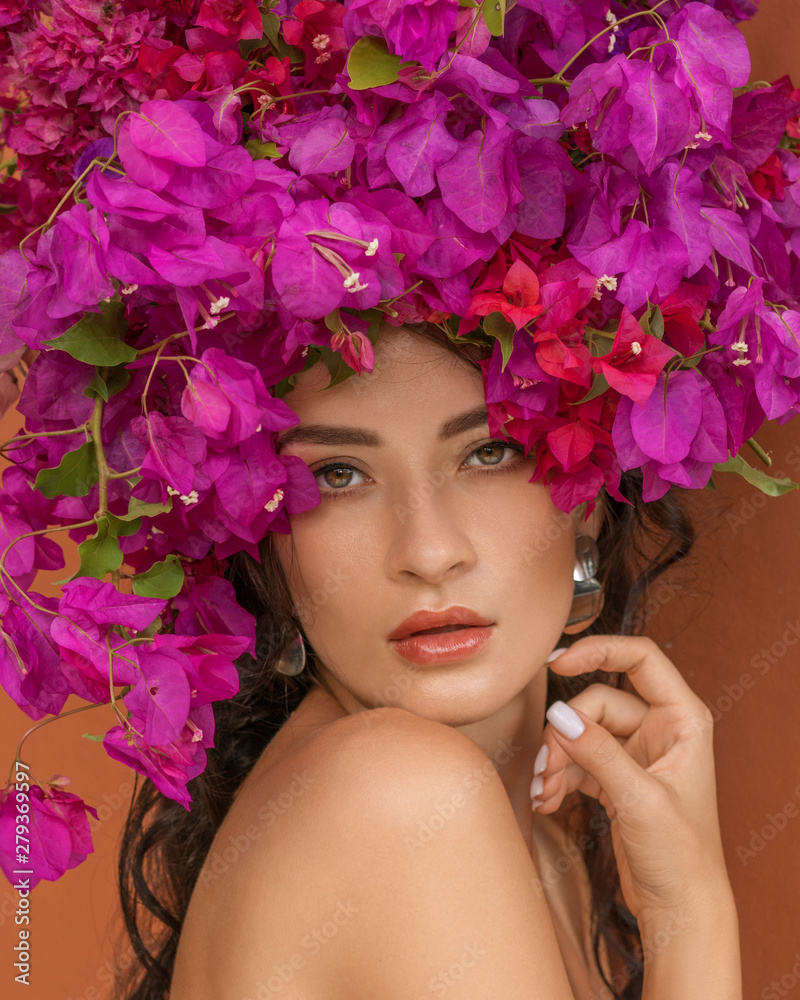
x=396 y=858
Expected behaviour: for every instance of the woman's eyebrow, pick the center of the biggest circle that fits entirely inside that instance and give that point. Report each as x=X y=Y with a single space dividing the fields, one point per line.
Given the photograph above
x=327 y=435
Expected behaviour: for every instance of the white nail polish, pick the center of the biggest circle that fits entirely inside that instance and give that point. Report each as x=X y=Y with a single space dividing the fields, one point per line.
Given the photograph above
x=555 y=654
x=537 y=786
x=565 y=719
x=535 y=803
x=540 y=763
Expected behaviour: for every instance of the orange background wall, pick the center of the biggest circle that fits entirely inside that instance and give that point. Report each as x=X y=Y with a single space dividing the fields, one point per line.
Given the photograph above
x=730 y=619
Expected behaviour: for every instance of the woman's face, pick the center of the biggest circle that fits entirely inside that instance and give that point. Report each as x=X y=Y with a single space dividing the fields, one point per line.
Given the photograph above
x=421 y=512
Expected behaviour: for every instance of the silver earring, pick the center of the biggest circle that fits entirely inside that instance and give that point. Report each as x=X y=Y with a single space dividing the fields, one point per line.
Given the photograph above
x=293 y=658
x=587 y=602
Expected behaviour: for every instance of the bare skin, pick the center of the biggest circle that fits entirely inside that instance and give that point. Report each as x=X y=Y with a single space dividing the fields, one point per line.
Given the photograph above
x=315 y=876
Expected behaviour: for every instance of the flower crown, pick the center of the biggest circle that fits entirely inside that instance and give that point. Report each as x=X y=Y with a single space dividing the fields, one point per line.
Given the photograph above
x=213 y=196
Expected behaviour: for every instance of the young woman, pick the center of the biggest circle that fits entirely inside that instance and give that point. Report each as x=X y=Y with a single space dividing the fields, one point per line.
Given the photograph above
x=406 y=818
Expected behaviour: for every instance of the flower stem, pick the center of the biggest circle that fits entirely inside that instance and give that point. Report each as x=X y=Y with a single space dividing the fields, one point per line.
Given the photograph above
x=61 y=715
x=756 y=447
x=21 y=439
x=96 y=425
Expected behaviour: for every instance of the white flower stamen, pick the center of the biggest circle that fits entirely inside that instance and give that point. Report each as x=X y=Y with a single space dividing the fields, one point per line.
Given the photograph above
x=741 y=361
x=186 y=498
x=740 y=345
x=605 y=282
x=353 y=282
x=522 y=383
x=322 y=43
x=128 y=289
x=219 y=304
x=636 y=347
x=272 y=504
x=372 y=248
x=197 y=732
x=704 y=135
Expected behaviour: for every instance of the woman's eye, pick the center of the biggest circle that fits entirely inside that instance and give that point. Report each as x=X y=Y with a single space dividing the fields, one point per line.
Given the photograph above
x=494 y=452
x=336 y=477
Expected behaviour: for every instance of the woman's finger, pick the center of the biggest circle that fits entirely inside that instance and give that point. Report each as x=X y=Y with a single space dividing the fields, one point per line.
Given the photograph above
x=652 y=674
x=620 y=712
x=556 y=787
x=623 y=784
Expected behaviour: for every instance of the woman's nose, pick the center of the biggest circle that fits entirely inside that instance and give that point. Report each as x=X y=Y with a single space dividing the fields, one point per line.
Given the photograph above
x=428 y=539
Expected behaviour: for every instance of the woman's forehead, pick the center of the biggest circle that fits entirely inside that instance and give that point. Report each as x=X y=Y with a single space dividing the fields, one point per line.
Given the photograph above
x=410 y=371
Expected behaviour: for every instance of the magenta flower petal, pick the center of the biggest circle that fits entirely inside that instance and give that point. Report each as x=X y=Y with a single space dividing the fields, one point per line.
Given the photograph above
x=60 y=836
x=665 y=426
x=165 y=130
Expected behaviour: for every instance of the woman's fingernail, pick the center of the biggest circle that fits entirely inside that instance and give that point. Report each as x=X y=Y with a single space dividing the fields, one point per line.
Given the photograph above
x=555 y=654
x=537 y=786
x=540 y=763
x=565 y=720
x=535 y=803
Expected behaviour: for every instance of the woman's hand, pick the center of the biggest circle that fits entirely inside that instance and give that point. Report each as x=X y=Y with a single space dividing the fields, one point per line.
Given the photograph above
x=649 y=759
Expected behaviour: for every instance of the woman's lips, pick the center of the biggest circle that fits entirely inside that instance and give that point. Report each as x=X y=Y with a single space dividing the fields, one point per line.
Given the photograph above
x=443 y=645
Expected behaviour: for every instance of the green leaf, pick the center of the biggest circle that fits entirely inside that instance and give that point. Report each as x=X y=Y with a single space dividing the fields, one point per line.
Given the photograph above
x=262 y=150
x=599 y=343
x=494 y=14
x=74 y=476
x=652 y=322
x=599 y=386
x=123 y=526
x=336 y=365
x=95 y=739
x=97 y=338
x=152 y=629
x=99 y=554
x=497 y=326
x=109 y=385
x=271 y=26
x=138 y=508
x=370 y=64
x=162 y=580
x=767 y=484
x=333 y=321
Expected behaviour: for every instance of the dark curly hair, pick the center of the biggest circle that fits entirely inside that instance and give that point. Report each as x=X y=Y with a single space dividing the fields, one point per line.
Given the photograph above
x=164 y=846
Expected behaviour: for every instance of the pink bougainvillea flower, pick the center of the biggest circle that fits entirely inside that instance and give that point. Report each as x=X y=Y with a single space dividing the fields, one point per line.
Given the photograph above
x=208 y=605
x=170 y=765
x=59 y=833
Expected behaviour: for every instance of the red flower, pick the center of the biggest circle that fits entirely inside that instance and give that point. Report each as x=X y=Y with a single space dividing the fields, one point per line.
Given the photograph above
x=682 y=313
x=518 y=301
x=768 y=179
x=635 y=360
x=318 y=32
x=562 y=353
x=239 y=19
